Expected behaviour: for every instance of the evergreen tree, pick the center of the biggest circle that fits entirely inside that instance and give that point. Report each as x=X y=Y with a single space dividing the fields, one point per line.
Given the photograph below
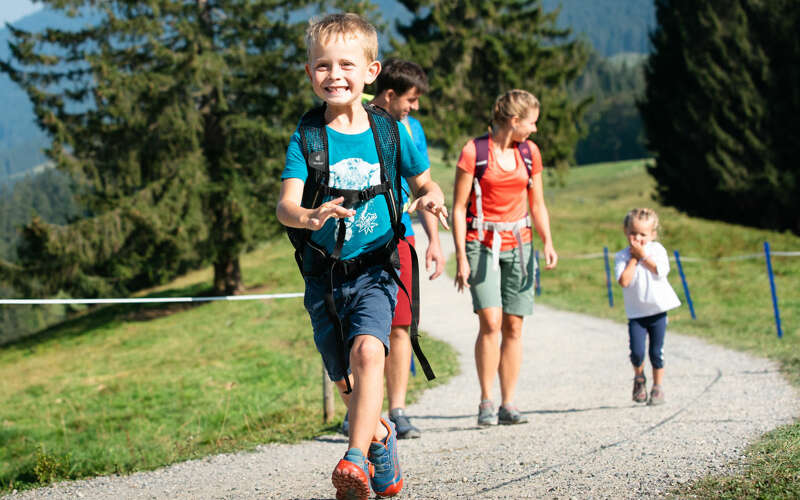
x=473 y=51
x=174 y=116
x=719 y=109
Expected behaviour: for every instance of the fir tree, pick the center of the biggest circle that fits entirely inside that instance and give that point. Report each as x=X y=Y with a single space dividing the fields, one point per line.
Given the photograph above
x=174 y=116
x=473 y=51
x=718 y=111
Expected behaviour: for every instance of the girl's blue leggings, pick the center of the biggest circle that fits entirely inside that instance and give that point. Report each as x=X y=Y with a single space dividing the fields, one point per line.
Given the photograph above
x=639 y=329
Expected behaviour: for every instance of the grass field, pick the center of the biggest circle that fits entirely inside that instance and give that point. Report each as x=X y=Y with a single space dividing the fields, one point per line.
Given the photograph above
x=732 y=299
x=130 y=388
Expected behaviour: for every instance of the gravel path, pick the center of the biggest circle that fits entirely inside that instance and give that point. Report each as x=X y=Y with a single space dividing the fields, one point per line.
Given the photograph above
x=586 y=438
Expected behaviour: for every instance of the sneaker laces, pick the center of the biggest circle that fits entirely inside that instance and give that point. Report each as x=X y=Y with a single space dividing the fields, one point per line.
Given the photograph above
x=381 y=459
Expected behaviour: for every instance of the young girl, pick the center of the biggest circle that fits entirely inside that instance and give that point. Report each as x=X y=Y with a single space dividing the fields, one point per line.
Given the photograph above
x=641 y=269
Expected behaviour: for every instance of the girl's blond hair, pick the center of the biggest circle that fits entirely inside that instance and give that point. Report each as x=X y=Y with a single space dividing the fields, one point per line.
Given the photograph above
x=347 y=26
x=513 y=103
x=641 y=214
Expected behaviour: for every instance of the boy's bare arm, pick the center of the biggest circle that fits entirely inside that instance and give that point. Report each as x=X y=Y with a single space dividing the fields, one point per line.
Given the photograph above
x=428 y=196
x=291 y=214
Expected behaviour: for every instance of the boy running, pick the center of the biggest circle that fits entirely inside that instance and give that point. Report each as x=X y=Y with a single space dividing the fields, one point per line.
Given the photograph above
x=345 y=262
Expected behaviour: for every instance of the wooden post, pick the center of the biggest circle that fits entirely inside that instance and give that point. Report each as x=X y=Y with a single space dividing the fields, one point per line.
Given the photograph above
x=328 y=400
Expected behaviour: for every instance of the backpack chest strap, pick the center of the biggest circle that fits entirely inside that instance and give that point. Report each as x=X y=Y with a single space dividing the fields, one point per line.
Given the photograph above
x=353 y=196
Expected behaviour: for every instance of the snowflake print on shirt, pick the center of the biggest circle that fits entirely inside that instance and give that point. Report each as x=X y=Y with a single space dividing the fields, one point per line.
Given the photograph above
x=367 y=222
x=350 y=174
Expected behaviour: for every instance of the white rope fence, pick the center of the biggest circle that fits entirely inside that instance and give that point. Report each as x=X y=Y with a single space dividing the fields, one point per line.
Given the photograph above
x=599 y=255
x=152 y=300
x=155 y=300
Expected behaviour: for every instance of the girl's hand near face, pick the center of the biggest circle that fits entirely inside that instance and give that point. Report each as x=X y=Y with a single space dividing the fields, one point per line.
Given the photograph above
x=637 y=249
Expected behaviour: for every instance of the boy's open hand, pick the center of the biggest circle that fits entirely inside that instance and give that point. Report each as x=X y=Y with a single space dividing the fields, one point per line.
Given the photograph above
x=333 y=208
x=436 y=207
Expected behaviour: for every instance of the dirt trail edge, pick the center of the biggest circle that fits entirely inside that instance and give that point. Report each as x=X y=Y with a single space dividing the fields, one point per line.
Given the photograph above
x=586 y=438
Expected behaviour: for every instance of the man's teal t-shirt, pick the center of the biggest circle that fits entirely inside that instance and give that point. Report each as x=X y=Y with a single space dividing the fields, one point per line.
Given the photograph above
x=354 y=164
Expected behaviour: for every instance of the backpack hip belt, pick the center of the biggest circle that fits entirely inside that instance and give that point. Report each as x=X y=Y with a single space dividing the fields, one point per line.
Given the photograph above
x=497 y=240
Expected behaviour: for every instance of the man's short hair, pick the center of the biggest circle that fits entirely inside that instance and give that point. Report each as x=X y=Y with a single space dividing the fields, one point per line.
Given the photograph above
x=347 y=26
x=401 y=76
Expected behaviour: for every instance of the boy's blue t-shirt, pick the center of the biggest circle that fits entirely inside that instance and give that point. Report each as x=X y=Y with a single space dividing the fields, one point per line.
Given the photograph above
x=354 y=164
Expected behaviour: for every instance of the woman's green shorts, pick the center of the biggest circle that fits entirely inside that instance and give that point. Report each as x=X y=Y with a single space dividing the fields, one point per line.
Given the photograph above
x=504 y=287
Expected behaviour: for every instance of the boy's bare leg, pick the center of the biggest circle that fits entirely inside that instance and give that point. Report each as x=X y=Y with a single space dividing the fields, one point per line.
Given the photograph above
x=364 y=404
x=397 y=366
x=510 y=357
x=487 y=348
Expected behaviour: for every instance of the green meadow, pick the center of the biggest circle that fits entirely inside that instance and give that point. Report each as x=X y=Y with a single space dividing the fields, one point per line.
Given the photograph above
x=127 y=388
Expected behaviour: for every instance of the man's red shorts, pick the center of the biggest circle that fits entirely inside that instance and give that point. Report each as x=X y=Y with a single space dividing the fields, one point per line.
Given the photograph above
x=402 y=312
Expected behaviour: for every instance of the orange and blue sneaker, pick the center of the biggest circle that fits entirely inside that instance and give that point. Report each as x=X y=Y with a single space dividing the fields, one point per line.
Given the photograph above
x=388 y=479
x=351 y=476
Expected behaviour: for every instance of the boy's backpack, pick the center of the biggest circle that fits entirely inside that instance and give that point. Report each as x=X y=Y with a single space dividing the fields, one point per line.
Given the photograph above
x=475 y=217
x=314 y=144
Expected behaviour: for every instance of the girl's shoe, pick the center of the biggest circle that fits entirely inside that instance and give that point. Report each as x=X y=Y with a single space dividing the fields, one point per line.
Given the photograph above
x=351 y=476
x=656 y=396
x=640 y=389
x=486 y=413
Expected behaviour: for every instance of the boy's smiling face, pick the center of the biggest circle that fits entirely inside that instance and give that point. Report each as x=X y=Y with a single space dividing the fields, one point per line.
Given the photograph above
x=339 y=69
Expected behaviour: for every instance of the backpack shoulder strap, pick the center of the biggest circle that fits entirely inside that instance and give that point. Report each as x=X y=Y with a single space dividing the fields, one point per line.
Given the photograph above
x=527 y=156
x=481 y=155
x=314 y=145
x=387 y=143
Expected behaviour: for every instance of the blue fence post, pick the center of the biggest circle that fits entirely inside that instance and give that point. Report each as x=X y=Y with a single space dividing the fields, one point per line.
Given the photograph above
x=685 y=284
x=774 y=292
x=536 y=273
x=608 y=279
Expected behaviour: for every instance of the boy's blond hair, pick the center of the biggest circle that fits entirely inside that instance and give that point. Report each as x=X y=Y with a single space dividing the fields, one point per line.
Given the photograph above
x=347 y=26
x=513 y=103
x=642 y=214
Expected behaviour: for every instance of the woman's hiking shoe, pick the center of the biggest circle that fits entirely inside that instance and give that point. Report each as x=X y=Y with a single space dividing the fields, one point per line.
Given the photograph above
x=656 y=396
x=351 y=476
x=640 y=389
x=486 y=413
x=405 y=430
x=387 y=480
x=510 y=415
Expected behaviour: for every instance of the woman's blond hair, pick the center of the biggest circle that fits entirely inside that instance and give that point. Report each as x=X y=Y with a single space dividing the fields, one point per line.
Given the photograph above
x=640 y=214
x=513 y=103
x=347 y=26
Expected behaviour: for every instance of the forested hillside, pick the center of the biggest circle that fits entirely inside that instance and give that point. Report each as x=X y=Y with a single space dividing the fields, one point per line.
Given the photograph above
x=611 y=26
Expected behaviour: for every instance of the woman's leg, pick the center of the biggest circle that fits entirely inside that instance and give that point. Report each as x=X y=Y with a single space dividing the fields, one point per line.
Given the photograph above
x=487 y=348
x=510 y=356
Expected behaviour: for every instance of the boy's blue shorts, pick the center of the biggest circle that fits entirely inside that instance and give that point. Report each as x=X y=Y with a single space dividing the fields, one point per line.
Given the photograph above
x=365 y=305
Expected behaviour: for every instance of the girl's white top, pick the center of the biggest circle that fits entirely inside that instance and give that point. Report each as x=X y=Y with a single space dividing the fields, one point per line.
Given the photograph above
x=648 y=293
